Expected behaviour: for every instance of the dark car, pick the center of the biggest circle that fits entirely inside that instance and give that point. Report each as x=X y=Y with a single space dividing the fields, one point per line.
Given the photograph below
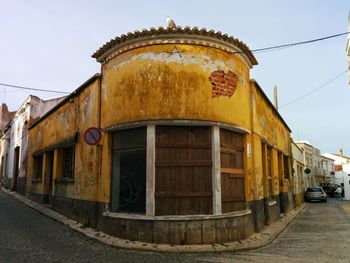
x=315 y=194
x=329 y=189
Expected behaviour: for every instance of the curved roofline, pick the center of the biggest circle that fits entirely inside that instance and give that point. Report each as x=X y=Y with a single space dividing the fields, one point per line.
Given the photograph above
x=176 y=35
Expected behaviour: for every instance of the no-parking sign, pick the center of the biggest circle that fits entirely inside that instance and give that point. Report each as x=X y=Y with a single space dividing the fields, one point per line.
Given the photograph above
x=92 y=136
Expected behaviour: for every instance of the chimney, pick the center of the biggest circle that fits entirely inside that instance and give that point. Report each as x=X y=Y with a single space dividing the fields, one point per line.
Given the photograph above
x=341 y=152
x=275 y=97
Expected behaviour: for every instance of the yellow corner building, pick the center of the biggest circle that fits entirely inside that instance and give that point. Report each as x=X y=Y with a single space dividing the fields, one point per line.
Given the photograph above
x=192 y=151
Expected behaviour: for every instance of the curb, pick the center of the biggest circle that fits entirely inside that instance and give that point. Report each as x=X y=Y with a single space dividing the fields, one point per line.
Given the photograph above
x=255 y=241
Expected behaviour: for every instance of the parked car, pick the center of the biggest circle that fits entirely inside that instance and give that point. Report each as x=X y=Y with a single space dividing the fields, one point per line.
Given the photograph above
x=329 y=189
x=315 y=194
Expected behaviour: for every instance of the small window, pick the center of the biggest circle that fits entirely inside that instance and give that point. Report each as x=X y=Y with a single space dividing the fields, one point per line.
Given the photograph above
x=38 y=167
x=68 y=162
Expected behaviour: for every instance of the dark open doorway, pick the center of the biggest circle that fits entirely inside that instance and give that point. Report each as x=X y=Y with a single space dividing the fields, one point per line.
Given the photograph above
x=15 y=169
x=128 y=187
x=48 y=177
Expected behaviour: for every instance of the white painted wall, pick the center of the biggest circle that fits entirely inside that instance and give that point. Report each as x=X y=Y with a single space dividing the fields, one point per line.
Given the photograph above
x=339 y=177
x=347 y=186
x=338 y=160
x=32 y=108
x=4 y=143
x=298 y=178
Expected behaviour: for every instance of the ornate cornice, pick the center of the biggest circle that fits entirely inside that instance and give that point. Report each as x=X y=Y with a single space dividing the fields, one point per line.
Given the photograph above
x=177 y=35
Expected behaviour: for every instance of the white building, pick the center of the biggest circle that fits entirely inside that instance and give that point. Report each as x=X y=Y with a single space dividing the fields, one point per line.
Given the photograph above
x=298 y=173
x=14 y=141
x=327 y=165
x=308 y=152
x=339 y=159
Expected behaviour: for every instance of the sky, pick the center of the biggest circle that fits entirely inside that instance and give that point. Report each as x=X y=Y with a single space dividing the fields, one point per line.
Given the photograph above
x=48 y=45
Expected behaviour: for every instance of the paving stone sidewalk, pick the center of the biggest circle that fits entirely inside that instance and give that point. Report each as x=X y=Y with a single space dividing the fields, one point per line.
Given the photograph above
x=255 y=241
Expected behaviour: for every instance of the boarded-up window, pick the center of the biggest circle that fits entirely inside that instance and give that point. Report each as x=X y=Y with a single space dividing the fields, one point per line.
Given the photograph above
x=183 y=170
x=232 y=171
x=128 y=187
x=280 y=166
x=38 y=166
x=269 y=172
x=286 y=167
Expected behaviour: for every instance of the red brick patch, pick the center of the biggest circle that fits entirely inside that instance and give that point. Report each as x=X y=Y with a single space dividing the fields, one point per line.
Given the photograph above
x=223 y=84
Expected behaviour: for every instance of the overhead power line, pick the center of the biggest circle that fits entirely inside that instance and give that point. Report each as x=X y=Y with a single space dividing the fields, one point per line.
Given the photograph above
x=314 y=90
x=273 y=48
x=259 y=50
x=34 y=89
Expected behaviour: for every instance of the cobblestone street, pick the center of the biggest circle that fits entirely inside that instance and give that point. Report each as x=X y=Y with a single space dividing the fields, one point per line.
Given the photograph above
x=319 y=234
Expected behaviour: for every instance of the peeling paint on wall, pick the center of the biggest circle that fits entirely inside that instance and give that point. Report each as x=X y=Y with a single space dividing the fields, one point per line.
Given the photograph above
x=206 y=62
x=223 y=84
x=150 y=83
x=62 y=125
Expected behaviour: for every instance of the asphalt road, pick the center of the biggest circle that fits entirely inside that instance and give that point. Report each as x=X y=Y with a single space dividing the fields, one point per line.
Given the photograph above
x=321 y=233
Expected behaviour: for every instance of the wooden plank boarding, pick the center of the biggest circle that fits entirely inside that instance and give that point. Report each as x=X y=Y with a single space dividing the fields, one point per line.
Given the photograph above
x=183 y=170
x=232 y=171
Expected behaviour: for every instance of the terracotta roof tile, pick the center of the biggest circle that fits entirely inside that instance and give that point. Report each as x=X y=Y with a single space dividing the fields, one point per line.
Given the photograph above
x=124 y=39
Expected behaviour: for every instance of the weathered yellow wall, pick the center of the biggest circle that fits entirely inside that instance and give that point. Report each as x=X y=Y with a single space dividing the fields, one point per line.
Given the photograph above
x=103 y=191
x=268 y=125
x=149 y=83
x=74 y=116
x=248 y=165
x=258 y=170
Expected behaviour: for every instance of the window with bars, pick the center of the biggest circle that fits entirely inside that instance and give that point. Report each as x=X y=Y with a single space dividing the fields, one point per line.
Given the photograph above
x=68 y=162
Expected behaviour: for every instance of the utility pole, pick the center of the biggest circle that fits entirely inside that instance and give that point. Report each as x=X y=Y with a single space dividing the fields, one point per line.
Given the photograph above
x=275 y=97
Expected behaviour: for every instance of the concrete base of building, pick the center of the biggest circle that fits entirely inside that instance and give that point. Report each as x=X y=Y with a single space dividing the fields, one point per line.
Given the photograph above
x=181 y=230
x=258 y=212
x=275 y=208
x=176 y=230
x=85 y=212
x=299 y=199
x=39 y=198
x=284 y=204
x=254 y=241
x=8 y=183
x=21 y=185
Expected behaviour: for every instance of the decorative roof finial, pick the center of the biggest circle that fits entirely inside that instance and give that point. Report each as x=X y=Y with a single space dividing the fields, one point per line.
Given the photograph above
x=171 y=23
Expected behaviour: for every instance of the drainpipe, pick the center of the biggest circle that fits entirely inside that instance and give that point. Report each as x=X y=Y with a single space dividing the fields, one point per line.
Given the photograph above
x=99 y=152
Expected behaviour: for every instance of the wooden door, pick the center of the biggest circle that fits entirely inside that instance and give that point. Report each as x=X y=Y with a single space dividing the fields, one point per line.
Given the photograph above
x=232 y=171
x=183 y=170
